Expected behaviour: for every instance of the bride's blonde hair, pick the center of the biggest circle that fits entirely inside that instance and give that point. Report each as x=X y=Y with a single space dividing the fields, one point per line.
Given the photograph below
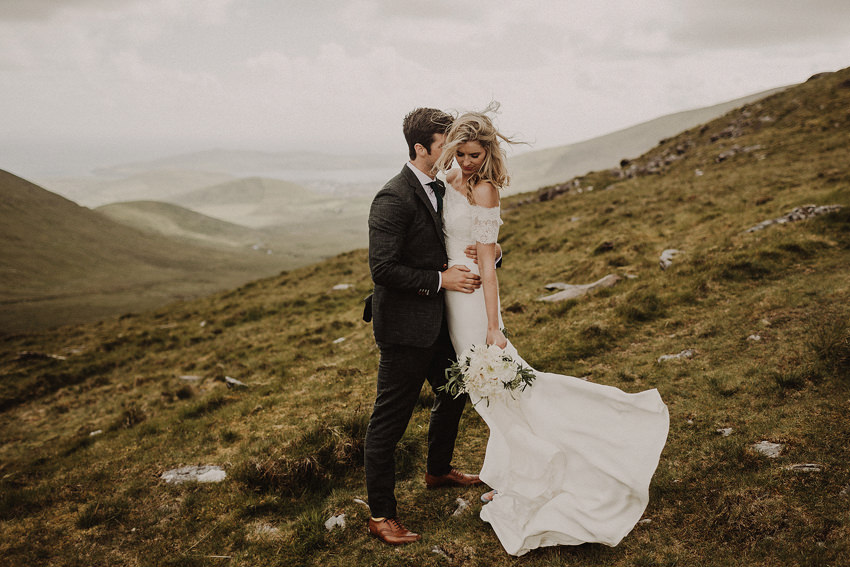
x=478 y=127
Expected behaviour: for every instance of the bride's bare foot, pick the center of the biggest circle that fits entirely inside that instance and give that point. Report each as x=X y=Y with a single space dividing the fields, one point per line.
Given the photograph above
x=487 y=497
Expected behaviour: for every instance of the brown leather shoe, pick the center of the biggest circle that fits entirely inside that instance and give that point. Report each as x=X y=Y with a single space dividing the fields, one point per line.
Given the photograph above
x=390 y=530
x=453 y=478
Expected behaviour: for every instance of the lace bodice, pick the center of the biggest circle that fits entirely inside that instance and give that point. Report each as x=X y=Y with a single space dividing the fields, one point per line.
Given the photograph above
x=465 y=224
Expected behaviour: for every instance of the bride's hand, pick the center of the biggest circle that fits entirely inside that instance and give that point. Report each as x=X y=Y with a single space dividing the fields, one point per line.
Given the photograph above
x=497 y=337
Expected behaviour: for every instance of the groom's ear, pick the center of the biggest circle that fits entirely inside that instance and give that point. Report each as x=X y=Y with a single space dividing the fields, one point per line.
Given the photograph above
x=420 y=150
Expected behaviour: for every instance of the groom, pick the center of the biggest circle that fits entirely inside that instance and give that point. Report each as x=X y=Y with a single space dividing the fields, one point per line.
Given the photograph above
x=408 y=261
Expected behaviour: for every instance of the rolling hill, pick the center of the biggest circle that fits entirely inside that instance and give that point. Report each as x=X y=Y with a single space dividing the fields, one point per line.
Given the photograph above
x=184 y=224
x=295 y=240
x=250 y=201
x=61 y=262
x=333 y=224
x=92 y=416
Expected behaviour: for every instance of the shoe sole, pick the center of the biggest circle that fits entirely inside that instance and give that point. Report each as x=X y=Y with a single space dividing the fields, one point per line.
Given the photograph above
x=452 y=484
x=382 y=540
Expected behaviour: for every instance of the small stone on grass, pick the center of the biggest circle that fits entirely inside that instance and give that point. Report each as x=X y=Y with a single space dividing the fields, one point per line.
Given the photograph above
x=206 y=473
x=687 y=353
x=805 y=467
x=462 y=505
x=335 y=522
x=234 y=383
x=768 y=449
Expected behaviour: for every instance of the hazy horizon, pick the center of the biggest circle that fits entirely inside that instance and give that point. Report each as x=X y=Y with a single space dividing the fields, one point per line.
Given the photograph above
x=71 y=160
x=94 y=83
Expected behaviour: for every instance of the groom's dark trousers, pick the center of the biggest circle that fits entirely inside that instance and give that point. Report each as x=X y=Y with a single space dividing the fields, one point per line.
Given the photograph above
x=406 y=252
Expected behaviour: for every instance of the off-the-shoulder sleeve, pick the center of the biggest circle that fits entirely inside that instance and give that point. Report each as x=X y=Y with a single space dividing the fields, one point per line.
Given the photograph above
x=485 y=224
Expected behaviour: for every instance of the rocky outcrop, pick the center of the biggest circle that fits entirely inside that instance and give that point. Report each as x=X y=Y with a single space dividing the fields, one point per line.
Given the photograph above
x=653 y=164
x=735 y=150
x=797 y=214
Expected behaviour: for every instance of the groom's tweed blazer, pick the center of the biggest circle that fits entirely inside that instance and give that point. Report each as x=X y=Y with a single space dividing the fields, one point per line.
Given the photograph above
x=406 y=250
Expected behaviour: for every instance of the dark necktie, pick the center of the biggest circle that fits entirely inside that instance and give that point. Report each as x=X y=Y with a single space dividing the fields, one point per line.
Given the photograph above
x=439 y=192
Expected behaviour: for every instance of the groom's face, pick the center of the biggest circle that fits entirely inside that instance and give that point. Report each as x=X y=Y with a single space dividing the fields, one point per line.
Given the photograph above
x=434 y=151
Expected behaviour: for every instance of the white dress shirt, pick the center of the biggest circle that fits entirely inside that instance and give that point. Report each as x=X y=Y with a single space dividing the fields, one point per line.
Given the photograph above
x=425 y=180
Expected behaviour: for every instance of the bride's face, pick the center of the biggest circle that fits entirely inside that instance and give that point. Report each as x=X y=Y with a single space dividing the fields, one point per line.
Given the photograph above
x=470 y=157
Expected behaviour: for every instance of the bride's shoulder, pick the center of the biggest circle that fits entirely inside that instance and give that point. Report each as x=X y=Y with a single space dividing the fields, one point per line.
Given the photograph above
x=486 y=195
x=452 y=174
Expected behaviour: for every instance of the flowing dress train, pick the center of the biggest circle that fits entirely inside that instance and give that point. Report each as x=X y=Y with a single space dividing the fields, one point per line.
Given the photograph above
x=571 y=460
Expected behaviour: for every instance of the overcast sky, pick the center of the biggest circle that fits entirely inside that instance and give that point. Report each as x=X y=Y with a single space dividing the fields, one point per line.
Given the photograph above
x=88 y=83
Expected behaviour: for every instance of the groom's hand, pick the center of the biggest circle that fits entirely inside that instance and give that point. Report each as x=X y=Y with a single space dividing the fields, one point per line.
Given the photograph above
x=471 y=252
x=460 y=278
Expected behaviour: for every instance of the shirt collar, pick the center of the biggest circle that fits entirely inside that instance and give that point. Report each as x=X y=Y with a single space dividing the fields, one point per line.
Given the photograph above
x=423 y=178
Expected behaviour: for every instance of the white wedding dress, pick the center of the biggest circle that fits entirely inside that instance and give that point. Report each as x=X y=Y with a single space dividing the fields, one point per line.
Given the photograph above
x=571 y=460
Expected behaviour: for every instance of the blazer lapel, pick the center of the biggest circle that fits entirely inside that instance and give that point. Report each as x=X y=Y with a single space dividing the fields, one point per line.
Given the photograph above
x=423 y=196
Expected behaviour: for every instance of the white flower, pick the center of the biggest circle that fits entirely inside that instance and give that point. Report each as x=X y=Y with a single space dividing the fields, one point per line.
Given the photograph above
x=487 y=371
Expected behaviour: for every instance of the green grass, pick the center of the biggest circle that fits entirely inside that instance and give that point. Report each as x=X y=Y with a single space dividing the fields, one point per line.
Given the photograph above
x=291 y=442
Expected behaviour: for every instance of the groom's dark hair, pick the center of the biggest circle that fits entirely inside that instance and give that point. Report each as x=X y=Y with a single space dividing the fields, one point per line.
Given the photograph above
x=421 y=124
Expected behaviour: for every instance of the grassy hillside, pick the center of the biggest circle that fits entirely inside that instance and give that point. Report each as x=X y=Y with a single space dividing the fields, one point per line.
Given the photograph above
x=298 y=239
x=61 y=262
x=291 y=441
x=554 y=165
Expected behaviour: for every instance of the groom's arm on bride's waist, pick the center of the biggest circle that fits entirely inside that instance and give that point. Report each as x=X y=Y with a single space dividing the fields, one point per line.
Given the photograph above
x=395 y=242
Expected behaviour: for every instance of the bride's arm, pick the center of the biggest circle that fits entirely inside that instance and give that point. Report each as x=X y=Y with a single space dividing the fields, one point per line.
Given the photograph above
x=487 y=196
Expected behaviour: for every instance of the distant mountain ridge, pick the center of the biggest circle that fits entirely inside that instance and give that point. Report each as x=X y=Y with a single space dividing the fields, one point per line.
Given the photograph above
x=253 y=163
x=151 y=185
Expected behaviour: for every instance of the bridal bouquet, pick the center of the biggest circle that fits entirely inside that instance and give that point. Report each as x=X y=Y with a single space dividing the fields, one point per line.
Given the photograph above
x=486 y=370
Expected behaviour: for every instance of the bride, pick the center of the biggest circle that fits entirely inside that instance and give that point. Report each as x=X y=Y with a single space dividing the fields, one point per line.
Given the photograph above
x=569 y=461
